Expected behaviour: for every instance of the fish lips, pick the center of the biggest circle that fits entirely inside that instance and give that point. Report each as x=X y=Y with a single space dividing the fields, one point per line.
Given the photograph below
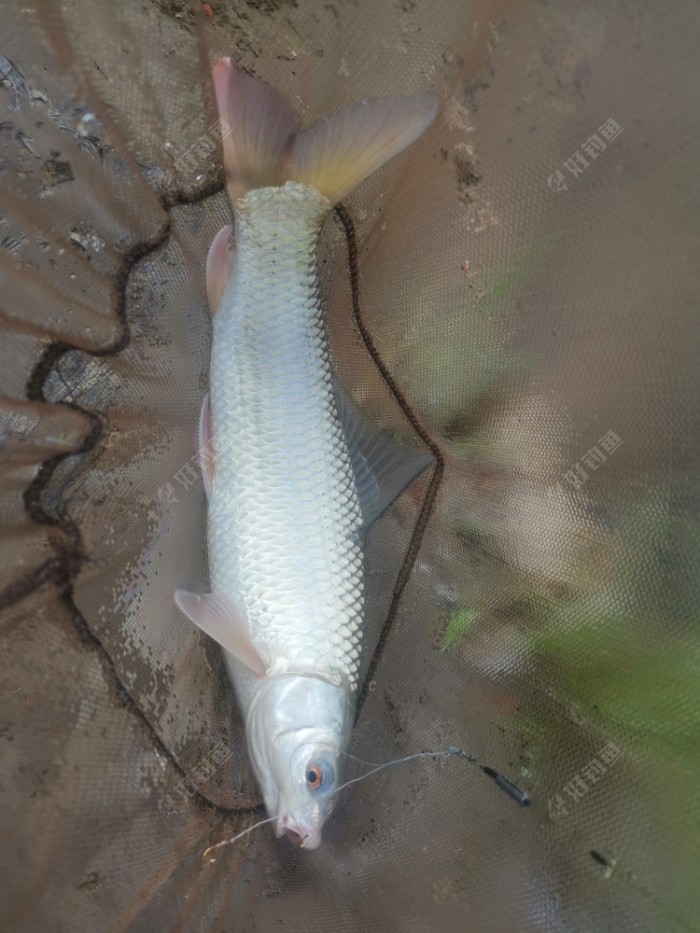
x=306 y=837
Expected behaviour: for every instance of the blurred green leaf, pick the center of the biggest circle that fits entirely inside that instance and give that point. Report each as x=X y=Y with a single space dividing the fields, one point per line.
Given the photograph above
x=499 y=285
x=458 y=626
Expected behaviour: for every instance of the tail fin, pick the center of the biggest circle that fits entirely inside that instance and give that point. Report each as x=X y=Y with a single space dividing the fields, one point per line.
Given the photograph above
x=263 y=145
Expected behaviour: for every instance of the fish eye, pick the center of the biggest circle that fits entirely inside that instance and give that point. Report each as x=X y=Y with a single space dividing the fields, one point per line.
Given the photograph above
x=314 y=776
x=318 y=776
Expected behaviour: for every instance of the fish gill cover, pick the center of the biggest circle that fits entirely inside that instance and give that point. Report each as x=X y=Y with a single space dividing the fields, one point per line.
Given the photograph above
x=518 y=294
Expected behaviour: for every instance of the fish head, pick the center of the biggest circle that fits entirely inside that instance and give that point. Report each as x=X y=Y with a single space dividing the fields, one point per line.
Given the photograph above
x=298 y=728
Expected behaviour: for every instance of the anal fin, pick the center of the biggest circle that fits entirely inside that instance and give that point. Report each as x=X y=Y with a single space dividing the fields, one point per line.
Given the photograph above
x=383 y=467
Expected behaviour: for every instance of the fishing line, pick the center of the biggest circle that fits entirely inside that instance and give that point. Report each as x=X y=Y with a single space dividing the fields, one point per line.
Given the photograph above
x=228 y=842
x=387 y=764
x=348 y=226
x=508 y=787
x=520 y=796
x=397 y=761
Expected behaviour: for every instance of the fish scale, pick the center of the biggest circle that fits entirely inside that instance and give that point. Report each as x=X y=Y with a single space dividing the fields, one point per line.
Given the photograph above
x=284 y=521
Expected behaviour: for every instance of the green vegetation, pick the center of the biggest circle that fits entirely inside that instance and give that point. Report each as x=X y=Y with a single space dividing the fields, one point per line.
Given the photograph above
x=457 y=628
x=497 y=285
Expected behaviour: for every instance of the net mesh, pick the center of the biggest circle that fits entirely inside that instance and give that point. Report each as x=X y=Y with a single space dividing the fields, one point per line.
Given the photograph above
x=517 y=294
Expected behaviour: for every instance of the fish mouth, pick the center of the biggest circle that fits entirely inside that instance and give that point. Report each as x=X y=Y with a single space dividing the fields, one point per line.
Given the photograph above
x=302 y=836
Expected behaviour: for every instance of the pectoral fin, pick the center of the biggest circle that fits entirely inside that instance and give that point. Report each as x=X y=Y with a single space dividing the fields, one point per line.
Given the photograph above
x=222 y=621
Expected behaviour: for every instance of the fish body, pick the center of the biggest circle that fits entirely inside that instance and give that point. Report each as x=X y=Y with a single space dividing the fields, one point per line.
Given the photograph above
x=284 y=479
x=295 y=477
x=284 y=517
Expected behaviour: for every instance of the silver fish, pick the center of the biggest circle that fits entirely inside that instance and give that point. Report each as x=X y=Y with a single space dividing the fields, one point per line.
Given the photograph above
x=296 y=475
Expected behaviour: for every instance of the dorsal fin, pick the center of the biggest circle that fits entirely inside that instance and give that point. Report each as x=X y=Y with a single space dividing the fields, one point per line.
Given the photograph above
x=383 y=467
